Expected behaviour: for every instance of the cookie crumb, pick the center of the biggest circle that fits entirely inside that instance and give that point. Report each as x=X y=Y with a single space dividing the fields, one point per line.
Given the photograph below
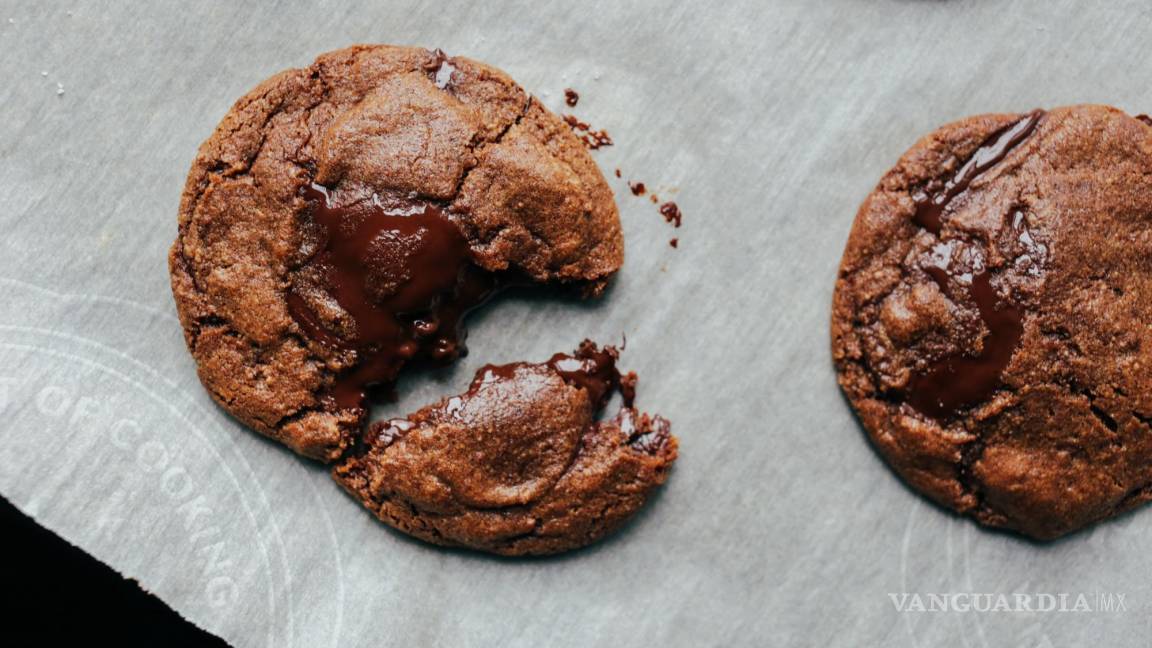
x=593 y=139
x=669 y=210
x=571 y=97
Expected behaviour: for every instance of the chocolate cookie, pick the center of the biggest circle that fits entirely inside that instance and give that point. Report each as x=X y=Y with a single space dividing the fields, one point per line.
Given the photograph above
x=518 y=464
x=344 y=217
x=990 y=322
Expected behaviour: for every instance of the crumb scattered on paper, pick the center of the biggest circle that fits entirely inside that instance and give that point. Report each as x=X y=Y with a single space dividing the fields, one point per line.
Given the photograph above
x=671 y=213
x=669 y=210
x=592 y=138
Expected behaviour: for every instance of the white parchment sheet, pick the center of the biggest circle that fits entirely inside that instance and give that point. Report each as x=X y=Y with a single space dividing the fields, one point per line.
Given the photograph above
x=770 y=121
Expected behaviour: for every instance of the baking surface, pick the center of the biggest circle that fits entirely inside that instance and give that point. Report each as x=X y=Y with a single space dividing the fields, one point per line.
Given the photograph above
x=767 y=122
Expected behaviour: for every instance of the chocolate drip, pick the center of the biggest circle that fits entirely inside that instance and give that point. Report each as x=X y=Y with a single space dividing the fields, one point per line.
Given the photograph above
x=930 y=206
x=957 y=382
x=402 y=271
x=960 y=381
x=589 y=368
x=593 y=370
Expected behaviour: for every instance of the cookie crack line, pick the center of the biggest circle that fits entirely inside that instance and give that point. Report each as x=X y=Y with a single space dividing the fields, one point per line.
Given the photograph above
x=218 y=168
x=287 y=287
x=970 y=454
x=478 y=147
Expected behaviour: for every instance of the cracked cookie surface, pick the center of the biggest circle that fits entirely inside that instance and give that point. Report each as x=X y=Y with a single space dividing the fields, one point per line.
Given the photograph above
x=406 y=128
x=990 y=324
x=518 y=464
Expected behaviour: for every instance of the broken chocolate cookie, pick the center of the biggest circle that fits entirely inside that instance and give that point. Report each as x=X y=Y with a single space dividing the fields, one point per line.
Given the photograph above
x=340 y=225
x=344 y=218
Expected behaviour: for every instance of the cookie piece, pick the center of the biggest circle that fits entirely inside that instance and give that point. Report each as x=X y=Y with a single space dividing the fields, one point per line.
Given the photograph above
x=518 y=464
x=344 y=217
x=990 y=320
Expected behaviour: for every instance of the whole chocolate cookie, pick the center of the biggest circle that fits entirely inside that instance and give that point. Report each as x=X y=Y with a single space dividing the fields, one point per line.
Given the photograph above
x=344 y=217
x=519 y=464
x=991 y=318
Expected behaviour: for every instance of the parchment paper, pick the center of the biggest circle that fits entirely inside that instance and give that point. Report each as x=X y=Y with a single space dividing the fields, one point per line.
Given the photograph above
x=767 y=122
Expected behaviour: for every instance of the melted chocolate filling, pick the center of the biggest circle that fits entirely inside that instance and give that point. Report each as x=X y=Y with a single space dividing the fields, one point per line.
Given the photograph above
x=591 y=369
x=402 y=271
x=956 y=382
x=961 y=381
x=930 y=206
